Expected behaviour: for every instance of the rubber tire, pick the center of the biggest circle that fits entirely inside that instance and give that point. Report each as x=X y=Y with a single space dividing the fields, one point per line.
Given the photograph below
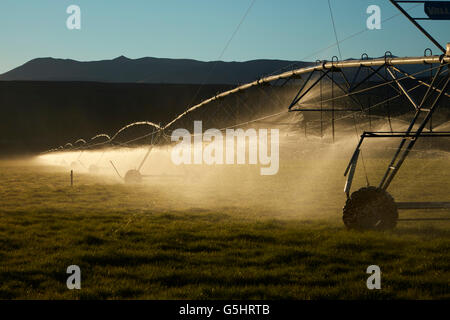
x=133 y=177
x=370 y=208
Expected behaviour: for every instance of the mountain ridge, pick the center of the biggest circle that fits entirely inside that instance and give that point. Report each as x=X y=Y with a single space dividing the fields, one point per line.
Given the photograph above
x=147 y=70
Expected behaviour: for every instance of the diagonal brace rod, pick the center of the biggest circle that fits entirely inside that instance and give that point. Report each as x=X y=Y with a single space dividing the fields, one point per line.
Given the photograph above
x=403 y=89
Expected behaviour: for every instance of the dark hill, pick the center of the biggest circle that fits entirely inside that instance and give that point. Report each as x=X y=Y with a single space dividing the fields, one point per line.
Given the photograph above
x=147 y=70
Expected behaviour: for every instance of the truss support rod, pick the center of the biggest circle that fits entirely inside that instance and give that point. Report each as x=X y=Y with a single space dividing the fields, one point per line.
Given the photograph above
x=418 y=80
x=403 y=89
x=332 y=103
x=388 y=134
x=321 y=111
x=418 y=26
x=351 y=172
x=353 y=88
x=431 y=81
x=355 y=77
x=297 y=99
x=385 y=184
x=432 y=88
x=402 y=143
x=343 y=90
x=386 y=80
x=354 y=154
x=149 y=151
x=286 y=82
x=145 y=158
x=117 y=171
x=411 y=135
x=328 y=110
x=348 y=88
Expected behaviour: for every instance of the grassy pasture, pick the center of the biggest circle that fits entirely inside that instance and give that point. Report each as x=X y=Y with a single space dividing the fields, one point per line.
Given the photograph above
x=231 y=235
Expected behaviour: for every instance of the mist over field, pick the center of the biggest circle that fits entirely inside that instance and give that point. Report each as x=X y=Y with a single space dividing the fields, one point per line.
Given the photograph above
x=310 y=169
x=217 y=232
x=222 y=231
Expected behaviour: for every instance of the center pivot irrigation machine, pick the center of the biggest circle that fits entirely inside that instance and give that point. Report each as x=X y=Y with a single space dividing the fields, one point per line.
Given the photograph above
x=372 y=207
x=422 y=82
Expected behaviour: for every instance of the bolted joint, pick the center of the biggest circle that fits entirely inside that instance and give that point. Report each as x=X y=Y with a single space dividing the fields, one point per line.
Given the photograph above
x=448 y=50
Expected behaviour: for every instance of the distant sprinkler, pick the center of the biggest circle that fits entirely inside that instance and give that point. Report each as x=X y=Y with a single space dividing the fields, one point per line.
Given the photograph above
x=80 y=141
x=133 y=177
x=102 y=135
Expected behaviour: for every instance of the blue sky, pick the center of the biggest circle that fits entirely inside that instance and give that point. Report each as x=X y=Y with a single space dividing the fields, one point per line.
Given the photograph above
x=200 y=29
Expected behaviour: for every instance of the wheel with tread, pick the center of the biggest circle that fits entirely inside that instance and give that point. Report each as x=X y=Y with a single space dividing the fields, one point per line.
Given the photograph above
x=370 y=208
x=133 y=177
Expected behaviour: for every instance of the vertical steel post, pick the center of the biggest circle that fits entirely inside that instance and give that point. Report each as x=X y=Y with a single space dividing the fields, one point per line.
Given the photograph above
x=332 y=104
x=388 y=106
x=321 y=111
x=431 y=79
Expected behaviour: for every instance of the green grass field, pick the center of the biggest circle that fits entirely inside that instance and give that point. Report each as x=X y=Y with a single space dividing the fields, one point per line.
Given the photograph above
x=234 y=235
